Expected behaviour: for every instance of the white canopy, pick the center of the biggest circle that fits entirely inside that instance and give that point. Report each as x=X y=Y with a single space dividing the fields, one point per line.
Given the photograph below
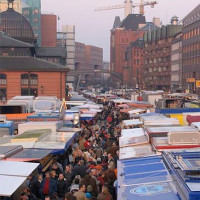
x=136 y=111
x=13 y=174
x=132 y=132
x=133 y=152
x=121 y=101
x=131 y=122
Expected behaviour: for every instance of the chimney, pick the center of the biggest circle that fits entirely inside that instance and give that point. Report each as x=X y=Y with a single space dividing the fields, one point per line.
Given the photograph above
x=156 y=21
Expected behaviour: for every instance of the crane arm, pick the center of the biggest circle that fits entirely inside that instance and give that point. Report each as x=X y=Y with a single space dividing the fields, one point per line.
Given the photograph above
x=110 y=7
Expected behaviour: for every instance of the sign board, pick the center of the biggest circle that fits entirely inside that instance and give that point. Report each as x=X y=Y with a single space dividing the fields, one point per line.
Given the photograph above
x=198 y=83
x=190 y=80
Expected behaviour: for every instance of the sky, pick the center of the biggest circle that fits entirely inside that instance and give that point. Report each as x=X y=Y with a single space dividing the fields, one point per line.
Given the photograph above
x=93 y=28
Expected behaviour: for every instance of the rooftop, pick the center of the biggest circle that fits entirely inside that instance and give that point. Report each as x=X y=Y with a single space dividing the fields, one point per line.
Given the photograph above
x=29 y=64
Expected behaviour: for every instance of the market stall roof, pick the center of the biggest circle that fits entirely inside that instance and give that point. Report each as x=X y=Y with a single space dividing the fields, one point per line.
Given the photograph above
x=135 y=151
x=23 y=169
x=163 y=121
x=126 y=110
x=145 y=178
x=196 y=124
x=121 y=100
x=123 y=106
x=131 y=122
x=67 y=129
x=136 y=111
x=13 y=174
x=75 y=103
x=6 y=151
x=9 y=184
x=138 y=105
x=27 y=155
x=57 y=142
x=161 y=144
x=132 y=132
x=85 y=117
x=133 y=141
x=167 y=129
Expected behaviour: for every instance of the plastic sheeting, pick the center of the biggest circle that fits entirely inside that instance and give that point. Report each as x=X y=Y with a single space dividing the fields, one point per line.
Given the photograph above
x=145 y=178
x=135 y=152
x=131 y=122
x=132 y=132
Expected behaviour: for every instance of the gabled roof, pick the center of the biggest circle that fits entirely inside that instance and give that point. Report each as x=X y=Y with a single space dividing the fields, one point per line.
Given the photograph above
x=132 y=21
x=149 y=26
x=29 y=64
x=6 y=41
x=51 y=52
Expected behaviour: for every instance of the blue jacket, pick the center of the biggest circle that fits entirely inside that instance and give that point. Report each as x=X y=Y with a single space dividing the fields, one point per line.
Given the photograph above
x=52 y=186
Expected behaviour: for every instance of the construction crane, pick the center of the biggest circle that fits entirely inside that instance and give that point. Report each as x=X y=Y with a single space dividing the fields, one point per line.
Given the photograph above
x=128 y=6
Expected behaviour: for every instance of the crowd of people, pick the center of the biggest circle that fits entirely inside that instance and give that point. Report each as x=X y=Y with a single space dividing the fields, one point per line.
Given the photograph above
x=90 y=169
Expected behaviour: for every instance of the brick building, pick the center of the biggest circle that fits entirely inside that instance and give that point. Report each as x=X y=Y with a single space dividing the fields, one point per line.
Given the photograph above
x=48 y=30
x=121 y=36
x=157 y=56
x=191 y=50
x=23 y=74
x=134 y=59
x=133 y=70
x=80 y=56
x=176 y=64
x=88 y=57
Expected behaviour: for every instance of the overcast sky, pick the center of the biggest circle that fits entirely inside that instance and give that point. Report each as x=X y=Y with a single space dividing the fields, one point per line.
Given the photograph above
x=93 y=28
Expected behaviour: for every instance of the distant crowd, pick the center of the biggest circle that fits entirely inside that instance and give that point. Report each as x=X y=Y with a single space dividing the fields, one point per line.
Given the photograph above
x=90 y=168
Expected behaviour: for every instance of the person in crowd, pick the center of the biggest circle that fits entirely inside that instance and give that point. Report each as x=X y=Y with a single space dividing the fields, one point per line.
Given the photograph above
x=79 y=169
x=54 y=166
x=78 y=157
x=54 y=175
x=105 y=194
x=48 y=186
x=23 y=196
x=111 y=161
x=89 y=180
x=69 y=196
x=30 y=195
x=62 y=187
x=75 y=186
x=68 y=173
x=35 y=185
x=80 y=195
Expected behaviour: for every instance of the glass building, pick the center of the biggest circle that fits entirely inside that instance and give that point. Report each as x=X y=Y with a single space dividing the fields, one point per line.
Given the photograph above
x=31 y=9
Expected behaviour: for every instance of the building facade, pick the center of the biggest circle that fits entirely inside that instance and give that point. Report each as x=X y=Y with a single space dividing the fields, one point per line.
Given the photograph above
x=17 y=5
x=121 y=36
x=176 y=64
x=48 y=30
x=157 y=56
x=191 y=50
x=80 y=56
x=31 y=9
x=23 y=74
x=134 y=59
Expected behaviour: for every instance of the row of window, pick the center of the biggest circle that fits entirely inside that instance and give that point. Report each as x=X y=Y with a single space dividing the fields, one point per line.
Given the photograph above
x=24 y=92
x=191 y=33
x=191 y=61
x=192 y=47
x=26 y=79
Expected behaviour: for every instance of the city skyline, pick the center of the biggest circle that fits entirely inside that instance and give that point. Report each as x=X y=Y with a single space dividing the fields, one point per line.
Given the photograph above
x=93 y=28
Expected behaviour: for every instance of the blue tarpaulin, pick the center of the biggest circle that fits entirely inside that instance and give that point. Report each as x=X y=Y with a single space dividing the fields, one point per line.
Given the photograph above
x=145 y=178
x=9 y=125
